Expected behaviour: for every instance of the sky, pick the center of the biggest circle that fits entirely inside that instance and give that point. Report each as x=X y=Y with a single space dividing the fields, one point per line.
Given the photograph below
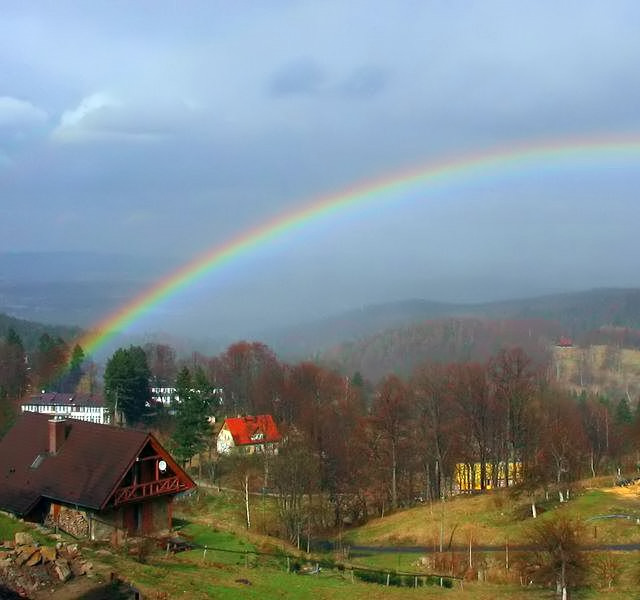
x=160 y=129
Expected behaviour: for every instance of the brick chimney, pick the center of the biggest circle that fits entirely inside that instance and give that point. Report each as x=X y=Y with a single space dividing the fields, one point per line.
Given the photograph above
x=57 y=434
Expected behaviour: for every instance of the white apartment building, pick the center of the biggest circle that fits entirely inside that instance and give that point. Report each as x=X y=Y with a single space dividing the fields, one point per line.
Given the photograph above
x=84 y=407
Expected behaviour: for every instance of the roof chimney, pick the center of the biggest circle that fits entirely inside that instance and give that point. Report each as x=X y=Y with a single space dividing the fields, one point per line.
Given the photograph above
x=57 y=426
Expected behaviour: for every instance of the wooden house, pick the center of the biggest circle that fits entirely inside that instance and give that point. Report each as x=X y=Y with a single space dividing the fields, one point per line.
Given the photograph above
x=98 y=480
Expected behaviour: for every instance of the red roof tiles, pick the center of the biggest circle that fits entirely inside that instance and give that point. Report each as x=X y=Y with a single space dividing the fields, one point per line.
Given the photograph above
x=259 y=429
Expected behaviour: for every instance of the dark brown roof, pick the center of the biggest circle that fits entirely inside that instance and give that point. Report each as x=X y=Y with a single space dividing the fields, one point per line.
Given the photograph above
x=85 y=471
x=60 y=399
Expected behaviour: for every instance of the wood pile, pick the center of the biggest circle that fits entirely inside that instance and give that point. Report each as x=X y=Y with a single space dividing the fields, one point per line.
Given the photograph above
x=72 y=522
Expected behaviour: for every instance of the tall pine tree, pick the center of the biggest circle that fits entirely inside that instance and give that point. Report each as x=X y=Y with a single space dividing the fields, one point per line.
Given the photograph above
x=192 y=430
x=126 y=384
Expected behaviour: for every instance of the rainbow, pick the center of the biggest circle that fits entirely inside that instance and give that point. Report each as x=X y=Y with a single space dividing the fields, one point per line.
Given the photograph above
x=496 y=161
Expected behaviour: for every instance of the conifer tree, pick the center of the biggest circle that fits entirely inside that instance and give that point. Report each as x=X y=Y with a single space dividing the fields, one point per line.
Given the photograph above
x=192 y=411
x=126 y=384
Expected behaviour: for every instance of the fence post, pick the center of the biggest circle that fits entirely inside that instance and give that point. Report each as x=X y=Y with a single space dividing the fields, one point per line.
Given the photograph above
x=288 y=565
x=388 y=577
x=204 y=554
x=506 y=553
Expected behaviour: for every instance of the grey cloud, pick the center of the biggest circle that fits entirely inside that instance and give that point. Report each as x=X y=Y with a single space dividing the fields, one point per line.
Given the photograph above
x=365 y=81
x=16 y=112
x=189 y=131
x=301 y=77
x=105 y=117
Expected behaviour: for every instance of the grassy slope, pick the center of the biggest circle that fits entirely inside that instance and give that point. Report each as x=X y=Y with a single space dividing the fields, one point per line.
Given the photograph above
x=492 y=518
x=10 y=526
x=216 y=520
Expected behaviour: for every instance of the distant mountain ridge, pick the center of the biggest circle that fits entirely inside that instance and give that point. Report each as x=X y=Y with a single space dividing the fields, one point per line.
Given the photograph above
x=445 y=340
x=574 y=313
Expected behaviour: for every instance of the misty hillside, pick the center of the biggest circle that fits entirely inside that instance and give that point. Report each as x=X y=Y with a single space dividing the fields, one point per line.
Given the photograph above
x=573 y=314
x=444 y=341
x=30 y=331
x=605 y=369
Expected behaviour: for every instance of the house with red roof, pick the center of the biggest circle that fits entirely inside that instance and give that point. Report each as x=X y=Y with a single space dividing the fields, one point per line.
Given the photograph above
x=99 y=480
x=251 y=434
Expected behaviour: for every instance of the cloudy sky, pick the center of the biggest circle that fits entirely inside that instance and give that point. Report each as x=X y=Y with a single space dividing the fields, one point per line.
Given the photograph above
x=160 y=128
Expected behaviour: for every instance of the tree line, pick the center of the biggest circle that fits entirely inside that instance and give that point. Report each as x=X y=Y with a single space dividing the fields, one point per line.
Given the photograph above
x=357 y=449
x=52 y=365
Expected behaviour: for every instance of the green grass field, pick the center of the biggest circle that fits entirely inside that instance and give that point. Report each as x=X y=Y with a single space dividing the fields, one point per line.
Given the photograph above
x=10 y=526
x=234 y=567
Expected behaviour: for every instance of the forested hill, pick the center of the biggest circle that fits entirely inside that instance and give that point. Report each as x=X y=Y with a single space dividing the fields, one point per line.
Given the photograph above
x=30 y=331
x=575 y=314
x=444 y=341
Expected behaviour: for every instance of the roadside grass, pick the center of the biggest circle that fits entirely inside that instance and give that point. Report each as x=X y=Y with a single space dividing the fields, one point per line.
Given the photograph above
x=182 y=577
x=189 y=575
x=237 y=549
x=399 y=561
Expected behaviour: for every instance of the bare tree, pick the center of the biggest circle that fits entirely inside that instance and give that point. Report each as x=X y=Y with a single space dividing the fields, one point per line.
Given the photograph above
x=558 y=559
x=391 y=417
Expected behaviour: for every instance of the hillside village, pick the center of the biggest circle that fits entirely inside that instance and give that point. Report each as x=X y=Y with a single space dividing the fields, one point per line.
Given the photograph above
x=301 y=453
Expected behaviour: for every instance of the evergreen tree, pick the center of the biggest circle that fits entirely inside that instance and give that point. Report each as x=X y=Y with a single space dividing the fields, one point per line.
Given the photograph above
x=13 y=367
x=126 y=384
x=192 y=411
x=623 y=412
x=14 y=378
x=69 y=382
x=210 y=396
x=49 y=361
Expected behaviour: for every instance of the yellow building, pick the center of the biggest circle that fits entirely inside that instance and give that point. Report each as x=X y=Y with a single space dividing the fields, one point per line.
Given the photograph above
x=467 y=475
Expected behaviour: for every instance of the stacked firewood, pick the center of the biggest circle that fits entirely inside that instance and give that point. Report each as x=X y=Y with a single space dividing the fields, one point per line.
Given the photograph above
x=70 y=521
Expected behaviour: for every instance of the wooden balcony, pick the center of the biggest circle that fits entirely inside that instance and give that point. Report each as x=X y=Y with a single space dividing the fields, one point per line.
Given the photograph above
x=140 y=491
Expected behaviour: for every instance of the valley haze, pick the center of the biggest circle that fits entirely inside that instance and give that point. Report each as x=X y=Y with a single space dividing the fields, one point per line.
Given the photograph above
x=133 y=140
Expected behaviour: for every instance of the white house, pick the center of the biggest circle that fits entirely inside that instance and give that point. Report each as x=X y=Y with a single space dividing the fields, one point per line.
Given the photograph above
x=249 y=434
x=164 y=395
x=84 y=407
